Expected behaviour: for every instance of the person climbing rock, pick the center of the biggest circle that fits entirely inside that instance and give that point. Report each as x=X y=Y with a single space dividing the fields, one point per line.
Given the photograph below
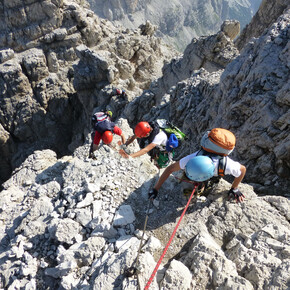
x=121 y=93
x=154 y=141
x=104 y=129
x=203 y=165
x=119 y=99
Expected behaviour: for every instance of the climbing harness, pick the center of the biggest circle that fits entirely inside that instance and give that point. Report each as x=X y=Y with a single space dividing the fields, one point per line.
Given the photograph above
x=169 y=242
x=134 y=268
x=187 y=181
x=201 y=187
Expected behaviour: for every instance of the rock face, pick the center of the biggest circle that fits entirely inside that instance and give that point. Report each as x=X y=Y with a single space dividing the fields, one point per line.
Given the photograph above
x=70 y=222
x=212 y=53
x=76 y=223
x=23 y=24
x=267 y=14
x=59 y=58
x=177 y=21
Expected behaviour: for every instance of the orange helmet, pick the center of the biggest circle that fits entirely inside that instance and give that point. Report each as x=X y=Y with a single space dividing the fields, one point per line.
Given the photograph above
x=142 y=129
x=107 y=137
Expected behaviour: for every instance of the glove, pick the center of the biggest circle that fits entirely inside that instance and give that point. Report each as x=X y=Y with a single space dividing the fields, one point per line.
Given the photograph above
x=153 y=193
x=236 y=194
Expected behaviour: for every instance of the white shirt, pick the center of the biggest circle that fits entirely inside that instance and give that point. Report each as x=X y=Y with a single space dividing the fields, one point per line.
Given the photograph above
x=232 y=167
x=160 y=140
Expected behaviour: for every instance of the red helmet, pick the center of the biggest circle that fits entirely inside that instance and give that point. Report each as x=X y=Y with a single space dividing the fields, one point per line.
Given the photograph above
x=107 y=137
x=142 y=129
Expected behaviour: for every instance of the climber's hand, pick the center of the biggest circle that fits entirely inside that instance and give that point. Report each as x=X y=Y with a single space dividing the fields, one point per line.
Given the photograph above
x=152 y=194
x=236 y=194
x=123 y=153
x=123 y=146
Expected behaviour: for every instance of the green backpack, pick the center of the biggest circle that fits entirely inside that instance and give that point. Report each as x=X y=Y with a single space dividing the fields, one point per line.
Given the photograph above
x=169 y=128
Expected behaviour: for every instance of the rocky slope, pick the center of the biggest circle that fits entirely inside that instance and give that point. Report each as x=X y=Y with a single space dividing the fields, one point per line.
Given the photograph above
x=69 y=222
x=47 y=92
x=75 y=223
x=177 y=21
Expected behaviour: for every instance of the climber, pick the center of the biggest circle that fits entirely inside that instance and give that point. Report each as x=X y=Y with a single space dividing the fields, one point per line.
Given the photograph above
x=104 y=129
x=121 y=93
x=201 y=169
x=153 y=140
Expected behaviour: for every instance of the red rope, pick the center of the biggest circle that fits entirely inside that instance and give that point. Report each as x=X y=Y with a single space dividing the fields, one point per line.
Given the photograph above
x=169 y=242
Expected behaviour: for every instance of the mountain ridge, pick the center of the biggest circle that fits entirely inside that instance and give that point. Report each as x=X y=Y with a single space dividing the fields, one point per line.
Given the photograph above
x=178 y=21
x=70 y=222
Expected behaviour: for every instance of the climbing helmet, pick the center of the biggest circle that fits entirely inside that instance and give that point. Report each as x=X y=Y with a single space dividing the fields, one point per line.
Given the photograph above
x=200 y=168
x=107 y=137
x=142 y=129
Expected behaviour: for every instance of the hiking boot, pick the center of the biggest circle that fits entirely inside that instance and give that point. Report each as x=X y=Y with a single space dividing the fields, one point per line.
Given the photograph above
x=92 y=156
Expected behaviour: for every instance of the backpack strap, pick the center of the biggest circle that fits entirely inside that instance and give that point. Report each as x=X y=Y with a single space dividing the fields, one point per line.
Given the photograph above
x=222 y=160
x=168 y=128
x=222 y=165
x=156 y=129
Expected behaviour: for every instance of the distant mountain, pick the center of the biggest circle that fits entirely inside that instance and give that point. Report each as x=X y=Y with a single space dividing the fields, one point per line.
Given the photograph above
x=178 y=21
x=269 y=11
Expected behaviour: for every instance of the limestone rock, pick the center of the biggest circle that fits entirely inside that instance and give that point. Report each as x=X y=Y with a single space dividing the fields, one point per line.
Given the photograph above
x=86 y=201
x=57 y=56
x=24 y=24
x=87 y=251
x=152 y=245
x=104 y=230
x=83 y=216
x=10 y=195
x=70 y=281
x=52 y=62
x=177 y=275
x=212 y=53
x=34 y=62
x=231 y=28
x=61 y=270
x=68 y=220
x=6 y=54
x=267 y=14
x=65 y=230
x=221 y=235
x=124 y=216
x=148 y=28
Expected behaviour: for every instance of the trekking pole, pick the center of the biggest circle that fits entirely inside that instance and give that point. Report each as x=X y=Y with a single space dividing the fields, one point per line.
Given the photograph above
x=133 y=269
